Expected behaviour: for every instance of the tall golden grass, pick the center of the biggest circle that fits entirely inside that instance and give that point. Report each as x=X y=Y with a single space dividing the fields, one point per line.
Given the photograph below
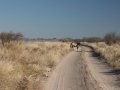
x=110 y=53
x=24 y=66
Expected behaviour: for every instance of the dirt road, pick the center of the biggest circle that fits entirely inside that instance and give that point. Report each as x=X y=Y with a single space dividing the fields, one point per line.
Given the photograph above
x=77 y=72
x=71 y=74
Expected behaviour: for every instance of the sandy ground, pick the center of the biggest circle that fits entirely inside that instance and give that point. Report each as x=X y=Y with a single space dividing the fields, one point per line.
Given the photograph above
x=71 y=74
x=83 y=71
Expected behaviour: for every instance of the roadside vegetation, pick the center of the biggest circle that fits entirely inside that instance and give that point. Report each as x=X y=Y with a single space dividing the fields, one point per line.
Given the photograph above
x=23 y=65
x=109 y=49
x=110 y=53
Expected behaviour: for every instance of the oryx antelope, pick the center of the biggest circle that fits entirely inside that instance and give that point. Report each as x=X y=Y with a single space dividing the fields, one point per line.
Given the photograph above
x=77 y=44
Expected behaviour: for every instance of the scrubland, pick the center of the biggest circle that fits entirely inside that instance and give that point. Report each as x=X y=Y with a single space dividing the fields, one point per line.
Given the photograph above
x=111 y=53
x=23 y=66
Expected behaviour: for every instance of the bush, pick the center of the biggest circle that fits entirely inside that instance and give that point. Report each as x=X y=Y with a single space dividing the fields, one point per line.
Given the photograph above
x=7 y=37
x=110 y=38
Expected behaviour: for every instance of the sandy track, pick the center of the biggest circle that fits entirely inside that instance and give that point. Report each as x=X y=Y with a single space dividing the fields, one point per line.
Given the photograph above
x=71 y=74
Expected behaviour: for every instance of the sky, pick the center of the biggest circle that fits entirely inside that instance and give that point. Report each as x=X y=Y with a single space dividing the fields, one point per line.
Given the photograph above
x=60 y=18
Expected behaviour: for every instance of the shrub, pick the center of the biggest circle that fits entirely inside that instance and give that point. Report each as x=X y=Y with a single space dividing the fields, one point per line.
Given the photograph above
x=7 y=37
x=110 y=38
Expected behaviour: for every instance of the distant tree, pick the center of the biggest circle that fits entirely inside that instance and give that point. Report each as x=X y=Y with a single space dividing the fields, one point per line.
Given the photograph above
x=54 y=38
x=7 y=37
x=77 y=40
x=66 y=40
x=18 y=36
x=110 y=38
x=118 y=37
x=91 y=39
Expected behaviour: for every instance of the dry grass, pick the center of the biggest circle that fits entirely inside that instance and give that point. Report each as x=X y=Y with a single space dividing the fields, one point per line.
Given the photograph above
x=110 y=53
x=23 y=66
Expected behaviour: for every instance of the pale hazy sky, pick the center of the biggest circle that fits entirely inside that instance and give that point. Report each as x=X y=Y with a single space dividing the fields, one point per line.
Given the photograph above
x=60 y=18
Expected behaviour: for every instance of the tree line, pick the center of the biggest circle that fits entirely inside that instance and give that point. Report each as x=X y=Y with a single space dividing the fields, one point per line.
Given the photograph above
x=109 y=38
